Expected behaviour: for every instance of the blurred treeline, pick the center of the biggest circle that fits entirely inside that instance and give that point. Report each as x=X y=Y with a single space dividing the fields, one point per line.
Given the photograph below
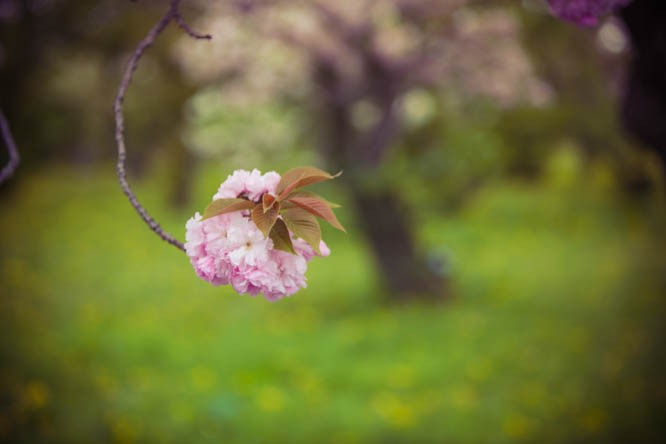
x=419 y=102
x=483 y=161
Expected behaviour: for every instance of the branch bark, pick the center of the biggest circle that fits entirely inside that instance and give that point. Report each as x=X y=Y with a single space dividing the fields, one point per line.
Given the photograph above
x=172 y=15
x=14 y=158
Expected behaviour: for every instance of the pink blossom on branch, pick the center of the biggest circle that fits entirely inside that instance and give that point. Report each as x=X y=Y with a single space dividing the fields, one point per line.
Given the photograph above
x=227 y=247
x=584 y=12
x=251 y=184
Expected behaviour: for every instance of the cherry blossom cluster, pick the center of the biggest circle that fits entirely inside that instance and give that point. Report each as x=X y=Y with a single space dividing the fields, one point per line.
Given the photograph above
x=584 y=12
x=229 y=248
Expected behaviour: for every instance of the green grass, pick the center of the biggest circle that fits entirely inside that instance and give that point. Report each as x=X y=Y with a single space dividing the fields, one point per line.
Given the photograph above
x=553 y=334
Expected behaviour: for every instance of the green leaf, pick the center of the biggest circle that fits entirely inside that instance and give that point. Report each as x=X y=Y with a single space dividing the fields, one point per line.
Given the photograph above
x=223 y=206
x=300 y=177
x=280 y=236
x=265 y=220
x=268 y=200
x=304 y=225
x=317 y=207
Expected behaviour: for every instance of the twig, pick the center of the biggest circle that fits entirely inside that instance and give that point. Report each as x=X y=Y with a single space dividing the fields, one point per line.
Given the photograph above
x=172 y=14
x=14 y=158
x=189 y=31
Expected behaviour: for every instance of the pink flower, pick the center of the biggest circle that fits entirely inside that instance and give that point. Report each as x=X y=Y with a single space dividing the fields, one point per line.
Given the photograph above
x=287 y=277
x=251 y=247
x=248 y=184
x=584 y=12
x=194 y=236
x=305 y=250
x=216 y=232
x=230 y=249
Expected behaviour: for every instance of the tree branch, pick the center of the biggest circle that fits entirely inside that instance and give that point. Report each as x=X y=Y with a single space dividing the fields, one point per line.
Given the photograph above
x=185 y=27
x=14 y=158
x=172 y=14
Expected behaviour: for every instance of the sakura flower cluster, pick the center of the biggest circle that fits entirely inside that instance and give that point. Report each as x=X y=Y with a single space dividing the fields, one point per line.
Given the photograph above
x=584 y=12
x=230 y=249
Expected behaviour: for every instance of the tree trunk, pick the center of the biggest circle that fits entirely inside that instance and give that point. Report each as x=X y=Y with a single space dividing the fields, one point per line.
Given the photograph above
x=407 y=273
x=644 y=104
x=384 y=222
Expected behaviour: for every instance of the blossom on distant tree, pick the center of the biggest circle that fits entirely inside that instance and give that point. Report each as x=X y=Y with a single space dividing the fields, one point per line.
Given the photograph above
x=260 y=232
x=584 y=12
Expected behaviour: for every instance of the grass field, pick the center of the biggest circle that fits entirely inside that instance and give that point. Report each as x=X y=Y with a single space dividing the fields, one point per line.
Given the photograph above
x=554 y=334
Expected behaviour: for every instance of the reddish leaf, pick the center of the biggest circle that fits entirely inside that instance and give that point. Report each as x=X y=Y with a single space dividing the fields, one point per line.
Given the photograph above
x=300 y=177
x=265 y=220
x=319 y=208
x=268 y=200
x=223 y=206
x=304 y=225
x=281 y=238
x=286 y=205
x=303 y=193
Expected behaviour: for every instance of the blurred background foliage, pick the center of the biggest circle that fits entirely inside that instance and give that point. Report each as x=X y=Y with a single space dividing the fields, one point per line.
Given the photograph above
x=487 y=182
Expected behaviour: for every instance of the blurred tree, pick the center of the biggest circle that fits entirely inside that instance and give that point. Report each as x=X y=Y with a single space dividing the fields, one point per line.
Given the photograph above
x=584 y=67
x=359 y=66
x=57 y=60
x=644 y=102
x=355 y=64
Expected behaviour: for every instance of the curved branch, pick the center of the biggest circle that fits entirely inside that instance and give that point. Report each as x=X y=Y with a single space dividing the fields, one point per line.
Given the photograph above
x=172 y=14
x=14 y=158
x=182 y=24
